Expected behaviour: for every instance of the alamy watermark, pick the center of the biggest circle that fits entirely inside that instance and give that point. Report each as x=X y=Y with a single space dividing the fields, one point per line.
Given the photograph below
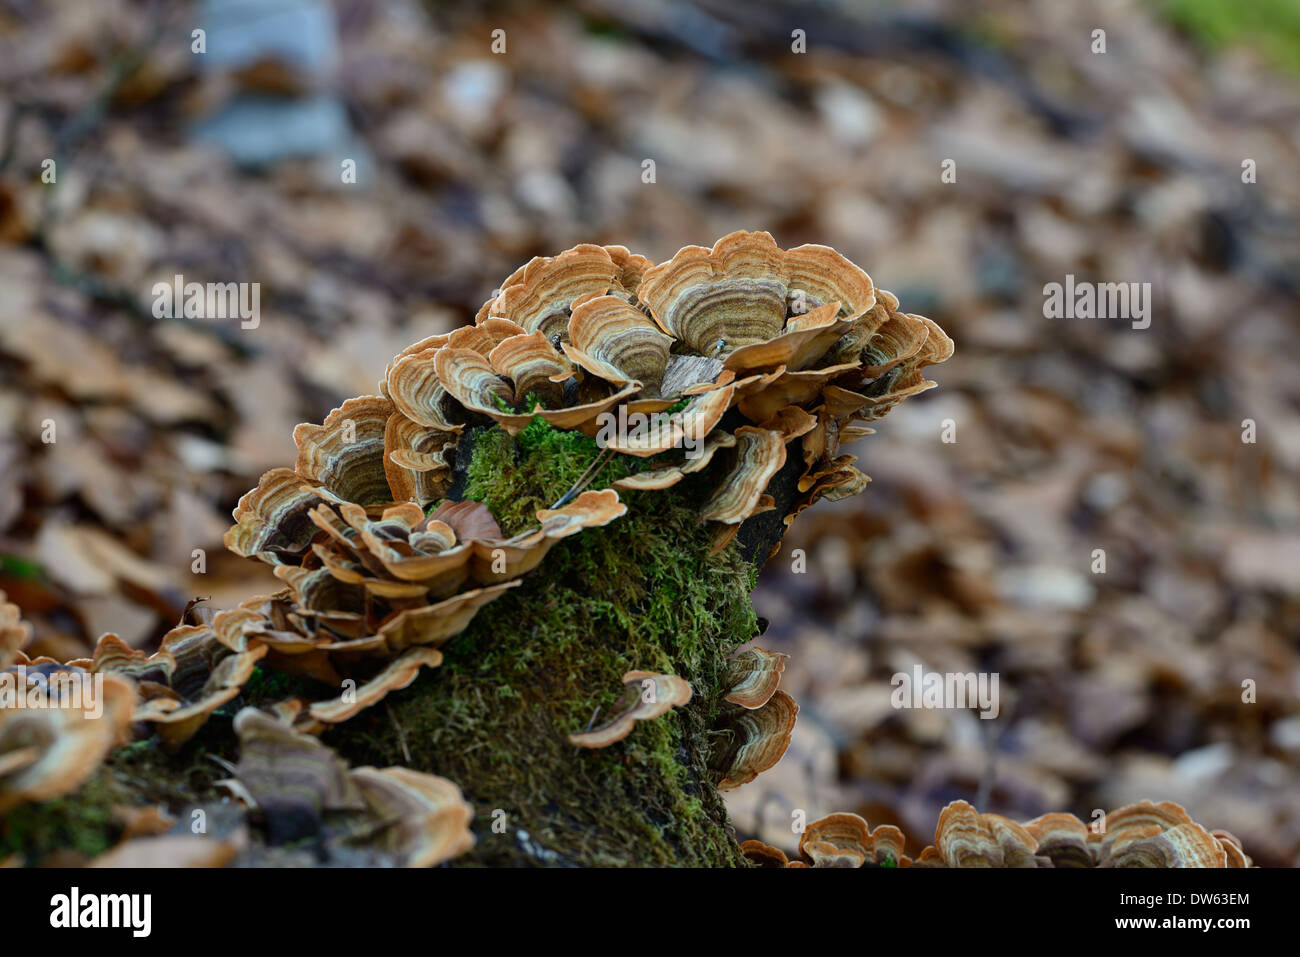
x=24 y=688
x=214 y=300
x=75 y=909
x=937 y=690
x=1092 y=300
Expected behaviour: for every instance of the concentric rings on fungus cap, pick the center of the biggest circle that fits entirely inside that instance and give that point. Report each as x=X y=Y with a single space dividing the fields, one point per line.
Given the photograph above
x=752 y=740
x=539 y=295
x=739 y=291
x=798 y=338
x=846 y=840
x=345 y=453
x=837 y=840
x=753 y=676
x=1138 y=835
x=611 y=338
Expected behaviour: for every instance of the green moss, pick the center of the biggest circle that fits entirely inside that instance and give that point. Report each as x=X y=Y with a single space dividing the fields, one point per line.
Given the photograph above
x=85 y=820
x=81 y=822
x=1272 y=26
x=642 y=593
x=15 y=566
x=554 y=458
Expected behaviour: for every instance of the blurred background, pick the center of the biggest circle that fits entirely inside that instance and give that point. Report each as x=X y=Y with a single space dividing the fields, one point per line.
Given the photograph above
x=1169 y=158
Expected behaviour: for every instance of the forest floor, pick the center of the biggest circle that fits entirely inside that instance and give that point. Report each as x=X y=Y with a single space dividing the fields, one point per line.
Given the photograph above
x=1171 y=158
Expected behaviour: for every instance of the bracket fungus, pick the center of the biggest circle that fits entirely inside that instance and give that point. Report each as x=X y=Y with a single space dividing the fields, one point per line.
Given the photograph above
x=1137 y=835
x=298 y=791
x=796 y=343
x=837 y=840
x=50 y=748
x=753 y=676
x=751 y=740
x=580 y=484
x=646 y=696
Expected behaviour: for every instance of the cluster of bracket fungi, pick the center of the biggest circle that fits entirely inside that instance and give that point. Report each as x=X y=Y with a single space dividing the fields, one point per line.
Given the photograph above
x=1137 y=835
x=733 y=352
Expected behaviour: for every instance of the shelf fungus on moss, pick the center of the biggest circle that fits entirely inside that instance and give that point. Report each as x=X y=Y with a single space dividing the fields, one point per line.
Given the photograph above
x=57 y=723
x=645 y=696
x=730 y=352
x=1137 y=835
x=373 y=585
x=753 y=725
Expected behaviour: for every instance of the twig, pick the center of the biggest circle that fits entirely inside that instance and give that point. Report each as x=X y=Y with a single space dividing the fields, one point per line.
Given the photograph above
x=586 y=477
x=401 y=735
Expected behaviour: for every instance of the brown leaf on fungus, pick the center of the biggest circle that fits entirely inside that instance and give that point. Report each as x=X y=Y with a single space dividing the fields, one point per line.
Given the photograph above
x=646 y=696
x=468 y=520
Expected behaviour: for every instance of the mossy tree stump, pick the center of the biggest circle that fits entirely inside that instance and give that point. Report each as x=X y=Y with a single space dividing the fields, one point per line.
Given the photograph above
x=543 y=661
x=642 y=593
